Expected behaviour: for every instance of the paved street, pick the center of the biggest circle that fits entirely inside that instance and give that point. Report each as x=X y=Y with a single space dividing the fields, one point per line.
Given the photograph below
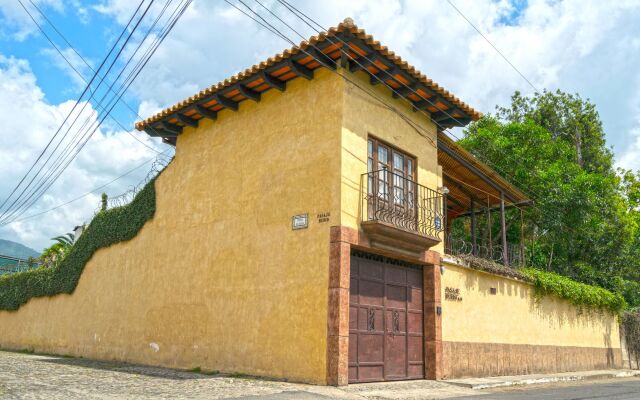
x=618 y=389
x=27 y=376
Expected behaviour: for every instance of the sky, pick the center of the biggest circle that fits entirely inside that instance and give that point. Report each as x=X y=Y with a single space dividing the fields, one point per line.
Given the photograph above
x=587 y=47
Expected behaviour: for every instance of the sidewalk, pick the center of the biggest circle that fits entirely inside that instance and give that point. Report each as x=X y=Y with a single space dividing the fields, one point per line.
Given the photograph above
x=504 y=381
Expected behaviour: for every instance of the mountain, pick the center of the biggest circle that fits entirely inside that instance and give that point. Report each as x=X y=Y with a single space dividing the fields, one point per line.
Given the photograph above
x=13 y=249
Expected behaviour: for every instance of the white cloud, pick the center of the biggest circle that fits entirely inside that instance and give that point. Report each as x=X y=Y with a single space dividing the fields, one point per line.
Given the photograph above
x=16 y=23
x=106 y=156
x=581 y=46
x=566 y=44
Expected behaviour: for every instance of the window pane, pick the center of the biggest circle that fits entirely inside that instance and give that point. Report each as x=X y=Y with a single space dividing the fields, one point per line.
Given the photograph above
x=410 y=168
x=370 y=148
x=398 y=162
x=383 y=155
x=369 y=165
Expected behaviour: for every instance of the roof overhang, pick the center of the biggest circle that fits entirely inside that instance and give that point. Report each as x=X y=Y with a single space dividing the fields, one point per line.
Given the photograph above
x=472 y=184
x=322 y=51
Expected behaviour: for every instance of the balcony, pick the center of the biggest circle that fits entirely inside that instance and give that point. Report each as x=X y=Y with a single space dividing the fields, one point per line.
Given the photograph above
x=400 y=214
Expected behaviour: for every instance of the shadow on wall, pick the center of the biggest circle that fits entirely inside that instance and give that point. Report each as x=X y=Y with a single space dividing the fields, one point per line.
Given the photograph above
x=557 y=313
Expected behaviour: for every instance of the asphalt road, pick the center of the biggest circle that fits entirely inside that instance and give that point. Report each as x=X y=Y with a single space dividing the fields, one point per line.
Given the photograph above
x=620 y=389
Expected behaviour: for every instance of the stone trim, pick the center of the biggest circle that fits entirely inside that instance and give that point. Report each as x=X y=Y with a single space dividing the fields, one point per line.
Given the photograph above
x=467 y=359
x=341 y=239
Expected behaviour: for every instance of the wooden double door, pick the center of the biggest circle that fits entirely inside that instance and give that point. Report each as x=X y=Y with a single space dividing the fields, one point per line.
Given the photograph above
x=386 y=334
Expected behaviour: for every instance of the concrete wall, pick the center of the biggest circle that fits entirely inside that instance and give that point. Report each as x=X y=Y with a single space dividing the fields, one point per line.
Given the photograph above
x=511 y=332
x=217 y=279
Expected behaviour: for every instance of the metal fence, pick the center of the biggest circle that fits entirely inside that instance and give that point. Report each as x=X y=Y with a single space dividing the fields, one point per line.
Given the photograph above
x=394 y=199
x=455 y=246
x=9 y=265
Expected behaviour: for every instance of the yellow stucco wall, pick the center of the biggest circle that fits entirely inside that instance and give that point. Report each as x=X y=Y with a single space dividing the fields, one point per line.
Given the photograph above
x=514 y=316
x=217 y=279
x=365 y=116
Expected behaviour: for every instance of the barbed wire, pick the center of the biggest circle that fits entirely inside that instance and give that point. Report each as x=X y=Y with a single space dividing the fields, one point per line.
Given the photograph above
x=159 y=164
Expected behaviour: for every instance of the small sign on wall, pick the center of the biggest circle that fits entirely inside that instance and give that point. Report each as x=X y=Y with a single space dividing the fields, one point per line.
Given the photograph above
x=324 y=216
x=452 y=294
x=300 y=221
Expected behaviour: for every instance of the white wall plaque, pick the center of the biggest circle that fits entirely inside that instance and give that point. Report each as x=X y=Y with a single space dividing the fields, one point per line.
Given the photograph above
x=300 y=221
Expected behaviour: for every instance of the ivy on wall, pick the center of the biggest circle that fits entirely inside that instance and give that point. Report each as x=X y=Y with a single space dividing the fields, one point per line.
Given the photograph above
x=107 y=228
x=578 y=294
x=549 y=283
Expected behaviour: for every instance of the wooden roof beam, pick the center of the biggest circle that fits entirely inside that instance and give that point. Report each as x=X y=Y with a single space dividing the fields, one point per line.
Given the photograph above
x=206 y=112
x=249 y=93
x=405 y=90
x=457 y=157
x=226 y=102
x=384 y=75
x=446 y=114
x=322 y=58
x=173 y=128
x=300 y=70
x=363 y=62
x=273 y=82
x=457 y=121
x=187 y=120
x=160 y=131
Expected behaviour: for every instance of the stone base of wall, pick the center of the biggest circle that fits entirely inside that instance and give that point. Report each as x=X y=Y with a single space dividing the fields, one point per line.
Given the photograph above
x=463 y=359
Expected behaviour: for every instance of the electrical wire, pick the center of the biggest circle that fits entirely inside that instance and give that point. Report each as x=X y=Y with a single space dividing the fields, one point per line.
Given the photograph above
x=91 y=191
x=134 y=73
x=10 y=212
x=66 y=59
x=492 y=45
x=68 y=115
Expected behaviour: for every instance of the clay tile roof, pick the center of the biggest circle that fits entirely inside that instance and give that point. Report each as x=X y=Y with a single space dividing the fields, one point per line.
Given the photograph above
x=345 y=27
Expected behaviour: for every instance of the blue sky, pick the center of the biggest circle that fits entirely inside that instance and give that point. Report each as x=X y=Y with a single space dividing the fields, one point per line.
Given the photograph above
x=584 y=46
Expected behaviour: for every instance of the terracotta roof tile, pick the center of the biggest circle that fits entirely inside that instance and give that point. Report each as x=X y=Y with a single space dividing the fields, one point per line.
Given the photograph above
x=344 y=26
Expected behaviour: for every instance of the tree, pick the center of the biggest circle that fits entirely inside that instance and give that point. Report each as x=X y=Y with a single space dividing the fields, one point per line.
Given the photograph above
x=568 y=117
x=585 y=220
x=57 y=251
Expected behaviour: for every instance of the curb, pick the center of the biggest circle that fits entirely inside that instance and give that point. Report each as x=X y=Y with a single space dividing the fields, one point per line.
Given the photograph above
x=496 y=382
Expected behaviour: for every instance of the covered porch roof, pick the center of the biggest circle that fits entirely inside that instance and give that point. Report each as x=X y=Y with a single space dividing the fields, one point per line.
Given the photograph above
x=471 y=181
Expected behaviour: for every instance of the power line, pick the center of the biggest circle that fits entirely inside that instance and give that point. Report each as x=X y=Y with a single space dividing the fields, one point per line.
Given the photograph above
x=68 y=115
x=418 y=128
x=290 y=7
x=175 y=16
x=89 y=192
x=9 y=212
x=179 y=11
x=492 y=45
x=298 y=13
x=84 y=61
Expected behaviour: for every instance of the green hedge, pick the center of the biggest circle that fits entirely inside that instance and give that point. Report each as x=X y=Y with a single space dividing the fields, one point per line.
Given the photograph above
x=579 y=294
x=107 y=228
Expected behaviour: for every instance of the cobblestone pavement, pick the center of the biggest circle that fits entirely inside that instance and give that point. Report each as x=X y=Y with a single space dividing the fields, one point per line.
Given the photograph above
x=27 y=376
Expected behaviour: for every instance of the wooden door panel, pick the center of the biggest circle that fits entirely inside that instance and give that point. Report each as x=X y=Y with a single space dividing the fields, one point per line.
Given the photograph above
x=385 y=321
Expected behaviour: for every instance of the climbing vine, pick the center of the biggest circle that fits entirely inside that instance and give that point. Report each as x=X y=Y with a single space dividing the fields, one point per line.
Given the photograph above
x=548 y=283
x=107 y=228
x=579 y=294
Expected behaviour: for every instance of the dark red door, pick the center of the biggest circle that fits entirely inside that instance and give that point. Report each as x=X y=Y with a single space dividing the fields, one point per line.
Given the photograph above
x=385 y=320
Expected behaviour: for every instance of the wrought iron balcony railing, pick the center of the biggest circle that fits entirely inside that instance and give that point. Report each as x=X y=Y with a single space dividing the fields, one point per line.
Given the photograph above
x=395 y=200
